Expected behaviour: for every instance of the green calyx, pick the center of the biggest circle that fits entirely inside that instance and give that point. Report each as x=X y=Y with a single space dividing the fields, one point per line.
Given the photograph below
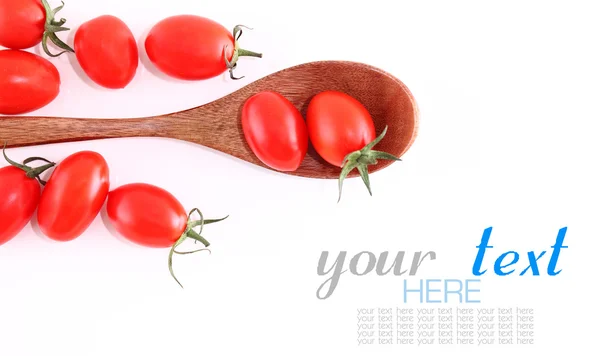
x=190 y=233
x=361 y=160
x=51 y=27
x=33 y=173
x=237 y=51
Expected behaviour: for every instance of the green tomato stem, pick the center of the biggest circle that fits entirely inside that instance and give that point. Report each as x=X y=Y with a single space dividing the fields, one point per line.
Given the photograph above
x=193 y=224
x=245 y=53
x=190 y=233
x=194 y=235
x=361 y=160
x=237 y=52
x=51 y=27
x=32 y=173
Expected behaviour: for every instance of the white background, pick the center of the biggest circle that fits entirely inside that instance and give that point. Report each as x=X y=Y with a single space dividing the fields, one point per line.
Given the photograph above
x=508 y=94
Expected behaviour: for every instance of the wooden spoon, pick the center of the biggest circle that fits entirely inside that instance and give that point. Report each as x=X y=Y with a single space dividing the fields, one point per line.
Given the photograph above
x=218 y=124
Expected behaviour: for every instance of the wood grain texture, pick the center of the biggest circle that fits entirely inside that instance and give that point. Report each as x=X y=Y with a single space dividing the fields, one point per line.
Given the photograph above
x=218 y=124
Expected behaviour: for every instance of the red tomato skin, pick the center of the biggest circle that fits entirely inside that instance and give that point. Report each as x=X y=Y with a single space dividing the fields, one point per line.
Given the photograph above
x=338 y=124
x=22 y=24
x=73 y=196
x=146 y=215
x=107 y=51
x=27 y=82
x=189 y=47
x=275 y=131
x=19 y=197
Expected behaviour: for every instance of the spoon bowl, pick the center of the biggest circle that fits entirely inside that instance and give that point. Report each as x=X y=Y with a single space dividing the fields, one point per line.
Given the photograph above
x=217 y=125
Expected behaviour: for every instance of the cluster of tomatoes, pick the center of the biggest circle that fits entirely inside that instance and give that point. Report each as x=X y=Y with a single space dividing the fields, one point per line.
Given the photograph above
x=339 y=127
x=74 y=195
x=106 y=50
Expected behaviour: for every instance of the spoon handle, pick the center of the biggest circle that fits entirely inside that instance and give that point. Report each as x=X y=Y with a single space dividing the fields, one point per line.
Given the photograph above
x=28 y=131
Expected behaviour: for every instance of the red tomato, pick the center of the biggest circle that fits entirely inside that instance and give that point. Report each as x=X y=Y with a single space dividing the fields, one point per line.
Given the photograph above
x=107 y=52
x=24 y=25
x=192 y=47
x=73 y=196
x=147 y=215
x=27 y=82
x=343 y=133
x=19 y=197
x=275 y=131
x=338 y=124
x=150 y=216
